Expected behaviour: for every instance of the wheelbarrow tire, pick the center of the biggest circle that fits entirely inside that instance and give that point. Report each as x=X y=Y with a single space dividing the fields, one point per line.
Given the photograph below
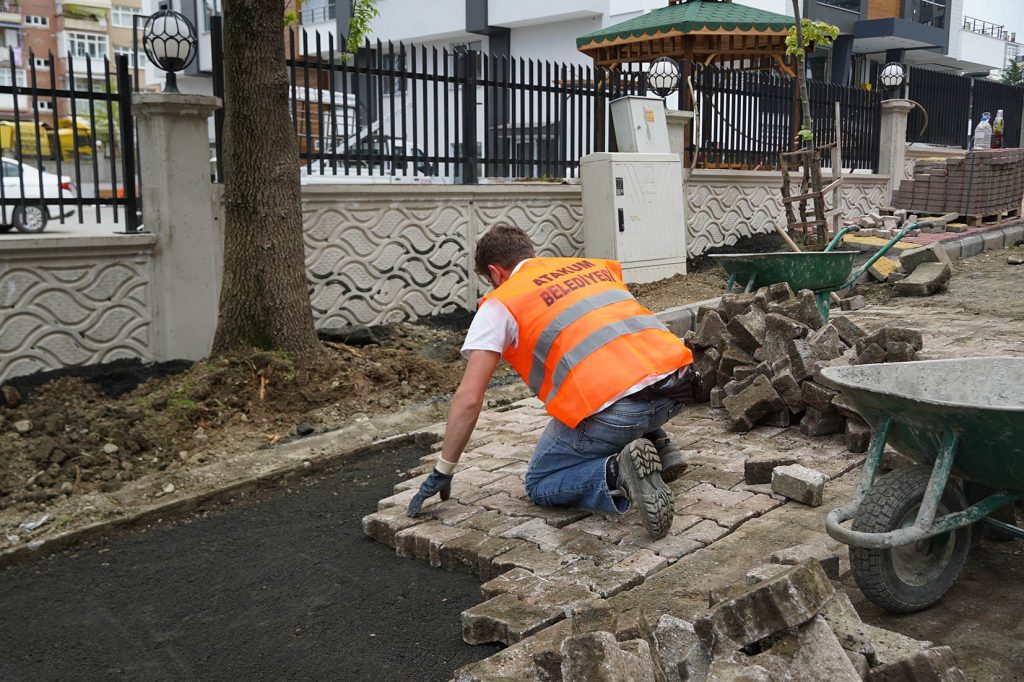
x=912 y=578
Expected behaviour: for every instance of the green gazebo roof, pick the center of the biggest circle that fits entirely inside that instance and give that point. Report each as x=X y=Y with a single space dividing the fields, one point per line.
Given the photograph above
x=693 y=29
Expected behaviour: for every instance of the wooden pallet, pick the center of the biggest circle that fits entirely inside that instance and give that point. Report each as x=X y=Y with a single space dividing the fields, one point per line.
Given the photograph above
x=980 y=220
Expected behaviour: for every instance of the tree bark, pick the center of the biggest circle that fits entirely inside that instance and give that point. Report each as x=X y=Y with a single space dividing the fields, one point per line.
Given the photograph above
x=264 y=300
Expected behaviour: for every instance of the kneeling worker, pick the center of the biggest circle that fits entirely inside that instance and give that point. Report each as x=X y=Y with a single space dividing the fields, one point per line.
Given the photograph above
x=609 y=372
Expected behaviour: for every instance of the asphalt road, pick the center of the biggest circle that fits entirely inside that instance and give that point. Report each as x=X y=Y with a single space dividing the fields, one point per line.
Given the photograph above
x=285 y=587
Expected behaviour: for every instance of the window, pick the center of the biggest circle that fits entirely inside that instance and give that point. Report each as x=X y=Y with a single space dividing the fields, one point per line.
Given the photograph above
x=122 y=16
x=5 y=77
x=12 y=169
x=36 y=20
x=92 y=45
x=393 y=84
x=44 y=105
x=848 y=5
x=41 y=63
x=143 y=61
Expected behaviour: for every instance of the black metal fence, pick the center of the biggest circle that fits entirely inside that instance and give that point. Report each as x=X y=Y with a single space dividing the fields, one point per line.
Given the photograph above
x=67 y=150
x=412 y=111
x=746 y=118
x=952 y=102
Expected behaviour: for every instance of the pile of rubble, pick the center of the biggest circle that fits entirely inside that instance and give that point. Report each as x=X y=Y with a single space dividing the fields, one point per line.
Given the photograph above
x=761 y=354
x=785 y=622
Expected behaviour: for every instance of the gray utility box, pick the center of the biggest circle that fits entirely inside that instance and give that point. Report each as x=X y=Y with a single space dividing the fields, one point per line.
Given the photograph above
x=640 y=125
x=633 y=212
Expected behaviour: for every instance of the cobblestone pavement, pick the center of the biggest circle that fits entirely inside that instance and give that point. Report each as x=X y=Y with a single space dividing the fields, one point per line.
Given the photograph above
x=537 y=564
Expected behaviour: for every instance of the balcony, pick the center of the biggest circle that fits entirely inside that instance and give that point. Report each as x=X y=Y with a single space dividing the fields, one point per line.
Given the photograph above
x=310 y=16
x=985 y=28
x=533 y=12
x=10 y=14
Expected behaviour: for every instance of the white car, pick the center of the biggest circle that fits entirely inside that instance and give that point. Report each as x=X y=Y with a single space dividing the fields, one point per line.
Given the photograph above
x=32 y=217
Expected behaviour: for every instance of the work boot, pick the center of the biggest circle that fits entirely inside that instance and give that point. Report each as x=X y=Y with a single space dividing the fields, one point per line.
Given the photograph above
x=673 y=464
x=639 y=478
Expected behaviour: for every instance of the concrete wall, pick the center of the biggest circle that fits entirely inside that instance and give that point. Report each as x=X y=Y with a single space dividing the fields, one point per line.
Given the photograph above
x=380 y=254
x=75 y=301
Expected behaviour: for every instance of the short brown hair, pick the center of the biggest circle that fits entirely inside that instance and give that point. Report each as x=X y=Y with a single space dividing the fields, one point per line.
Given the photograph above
x=504 y=245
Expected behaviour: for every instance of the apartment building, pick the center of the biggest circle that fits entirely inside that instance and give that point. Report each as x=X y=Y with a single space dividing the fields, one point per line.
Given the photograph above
x=68 y=34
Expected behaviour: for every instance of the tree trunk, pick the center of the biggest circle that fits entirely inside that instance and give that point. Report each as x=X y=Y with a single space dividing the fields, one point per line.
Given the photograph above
x=813 y=164
x=264 y=301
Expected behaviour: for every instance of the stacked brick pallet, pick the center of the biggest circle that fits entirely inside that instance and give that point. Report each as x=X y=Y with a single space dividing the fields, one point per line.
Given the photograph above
x=983 y=183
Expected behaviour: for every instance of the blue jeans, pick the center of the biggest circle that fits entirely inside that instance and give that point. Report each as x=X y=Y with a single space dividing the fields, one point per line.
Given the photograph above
x=568 y=465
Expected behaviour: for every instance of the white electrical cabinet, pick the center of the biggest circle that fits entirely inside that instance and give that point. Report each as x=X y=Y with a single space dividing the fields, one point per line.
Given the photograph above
x=633 y=212
x=640 y=125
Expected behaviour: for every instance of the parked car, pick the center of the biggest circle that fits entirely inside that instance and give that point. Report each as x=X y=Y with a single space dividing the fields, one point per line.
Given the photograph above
x=32 y=217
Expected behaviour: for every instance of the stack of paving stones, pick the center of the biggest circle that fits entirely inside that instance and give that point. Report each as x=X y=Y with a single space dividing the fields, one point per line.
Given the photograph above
x=787 y=620
x=538 y=564
x=761 y=356
x=982 y=183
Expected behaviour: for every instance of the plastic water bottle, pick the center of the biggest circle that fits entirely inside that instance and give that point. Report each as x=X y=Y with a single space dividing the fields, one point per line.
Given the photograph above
x=983 y=133
x=998 y=126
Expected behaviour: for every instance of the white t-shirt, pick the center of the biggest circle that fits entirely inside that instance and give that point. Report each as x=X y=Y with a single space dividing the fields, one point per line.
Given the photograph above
x=495 y=329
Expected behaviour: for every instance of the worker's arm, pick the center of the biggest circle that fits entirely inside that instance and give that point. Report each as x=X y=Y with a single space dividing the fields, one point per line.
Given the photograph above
x=462 y=415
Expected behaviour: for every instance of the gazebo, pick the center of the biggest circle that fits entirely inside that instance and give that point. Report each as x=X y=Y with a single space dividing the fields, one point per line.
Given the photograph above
x=706 y=31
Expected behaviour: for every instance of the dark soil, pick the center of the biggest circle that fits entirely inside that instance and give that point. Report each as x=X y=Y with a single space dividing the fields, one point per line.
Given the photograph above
x=93 y=430
x=289 y=588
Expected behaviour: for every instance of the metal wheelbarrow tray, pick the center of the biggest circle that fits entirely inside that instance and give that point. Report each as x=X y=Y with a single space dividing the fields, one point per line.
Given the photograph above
x=962 y=421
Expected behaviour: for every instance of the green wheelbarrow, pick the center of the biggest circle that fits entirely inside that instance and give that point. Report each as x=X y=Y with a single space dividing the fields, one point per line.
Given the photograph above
x=823 y=272
x=962 y=422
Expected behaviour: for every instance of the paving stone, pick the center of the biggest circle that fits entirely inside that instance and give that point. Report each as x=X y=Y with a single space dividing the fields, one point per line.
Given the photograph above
x=717 y=398
x=812 y=652
x=643 y=562
x=817 y=423
x=670 y=546
x=932 y=665
x=533 y=559
x=727 y=517
x=598 y=657
x=711 y=332
x=817 y=397
x=382 y=525
x=517 y=582
x=785 y=327
x=780 y=292
x=845 y=407
x=505 y=619
x=800 y=357
x=870 y=355
x=746 y=408
x=733 y=305
x=602 y=581
x=474 y=552
x=780 y=419
x=748 y=330
x=789 y=390
x=849 y=331
x=933 y=253
x=860 y=663
x=610 y=531
x=852 y=303
x=759 y=574
x=402 y=500
x=786 y=601
x=683 y=656
x=799 y=483
x=705 y=532
x=733 y=357
x=683 y=522
x=715 y=495
x=491 y=522
x=592 y=616
x=758 y=468
x=803 y=309
x=554 y=516
x=424 y=541
x=880 y=646
x=707 y=364
x=817 y=551
x=826 y=344
x=450 y=512
x=894 y=334
x=761 y=504
x=539 y=533
x=897 y=351
x=858 y=435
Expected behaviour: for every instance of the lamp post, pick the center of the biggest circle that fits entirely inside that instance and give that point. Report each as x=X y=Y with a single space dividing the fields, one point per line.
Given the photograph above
x=169 y=40
x=663 y=76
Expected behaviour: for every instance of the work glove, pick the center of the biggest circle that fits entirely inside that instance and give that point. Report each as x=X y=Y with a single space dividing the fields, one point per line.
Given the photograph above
x=436 y=483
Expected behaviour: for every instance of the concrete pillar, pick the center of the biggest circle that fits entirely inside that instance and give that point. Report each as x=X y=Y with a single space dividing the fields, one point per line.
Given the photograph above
x=179 y=208
x=892 y=149
x=679 y=124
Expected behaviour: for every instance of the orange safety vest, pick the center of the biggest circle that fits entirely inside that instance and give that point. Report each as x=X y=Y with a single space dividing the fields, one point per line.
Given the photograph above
x=583 y=339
